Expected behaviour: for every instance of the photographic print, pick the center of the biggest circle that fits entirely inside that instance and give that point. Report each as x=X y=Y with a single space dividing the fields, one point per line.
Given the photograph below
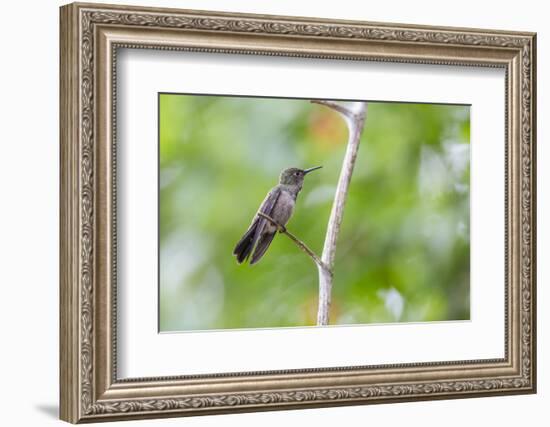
x=295 y=212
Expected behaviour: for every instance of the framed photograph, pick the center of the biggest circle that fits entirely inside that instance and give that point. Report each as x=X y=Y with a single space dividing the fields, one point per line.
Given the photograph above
x=266 y=212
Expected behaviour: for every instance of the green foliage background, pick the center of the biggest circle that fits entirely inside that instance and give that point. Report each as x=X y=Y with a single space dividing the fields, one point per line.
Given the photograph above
x=403 y=252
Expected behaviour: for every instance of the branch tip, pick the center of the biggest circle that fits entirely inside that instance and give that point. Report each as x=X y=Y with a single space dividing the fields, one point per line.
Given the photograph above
x=336 y=107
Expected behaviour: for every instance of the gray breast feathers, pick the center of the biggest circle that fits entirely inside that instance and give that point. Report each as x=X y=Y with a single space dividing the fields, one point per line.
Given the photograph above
x=284 y=207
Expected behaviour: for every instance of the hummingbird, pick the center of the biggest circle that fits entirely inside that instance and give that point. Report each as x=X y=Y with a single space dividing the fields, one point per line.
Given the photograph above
x=279 y=205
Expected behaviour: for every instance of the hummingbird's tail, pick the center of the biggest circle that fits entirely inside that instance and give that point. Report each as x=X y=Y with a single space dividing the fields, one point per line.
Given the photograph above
x=261 y=247
x=244 y=247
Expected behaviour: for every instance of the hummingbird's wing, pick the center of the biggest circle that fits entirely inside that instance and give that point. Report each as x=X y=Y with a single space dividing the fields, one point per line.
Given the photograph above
x=261 y=247
x=264 y=236
x=244 y=247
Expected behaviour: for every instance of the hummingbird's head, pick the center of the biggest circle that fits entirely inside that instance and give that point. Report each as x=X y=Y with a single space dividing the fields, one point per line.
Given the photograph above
x=295 y=176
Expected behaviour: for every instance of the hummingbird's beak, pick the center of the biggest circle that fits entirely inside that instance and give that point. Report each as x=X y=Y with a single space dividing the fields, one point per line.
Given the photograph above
x=306 y=171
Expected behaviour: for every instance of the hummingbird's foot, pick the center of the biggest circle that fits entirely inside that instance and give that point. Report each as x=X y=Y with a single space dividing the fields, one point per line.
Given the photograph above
x=282 y=229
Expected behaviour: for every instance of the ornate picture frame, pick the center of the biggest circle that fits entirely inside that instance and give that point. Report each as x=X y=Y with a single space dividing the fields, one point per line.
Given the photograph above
x=90 y=37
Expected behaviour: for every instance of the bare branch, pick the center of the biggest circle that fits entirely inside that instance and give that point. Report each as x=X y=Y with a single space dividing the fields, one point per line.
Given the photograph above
x=299 y=243
x=354 y=115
